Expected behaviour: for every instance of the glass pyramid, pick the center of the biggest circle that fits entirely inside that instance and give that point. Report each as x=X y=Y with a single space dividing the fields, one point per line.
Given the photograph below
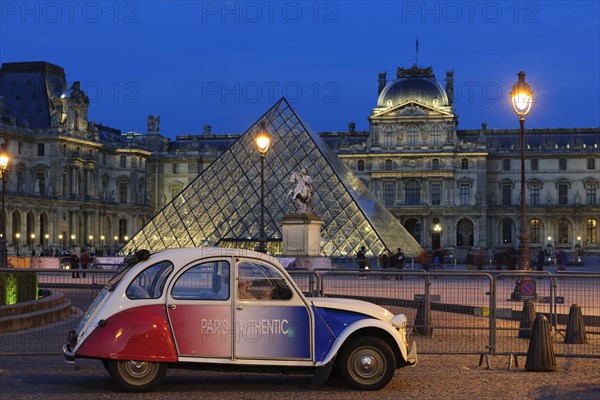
x=221 y=207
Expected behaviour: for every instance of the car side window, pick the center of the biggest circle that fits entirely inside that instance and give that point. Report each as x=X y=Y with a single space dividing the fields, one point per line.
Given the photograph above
x=206 y=281
x=150 y=283
x=261 y=282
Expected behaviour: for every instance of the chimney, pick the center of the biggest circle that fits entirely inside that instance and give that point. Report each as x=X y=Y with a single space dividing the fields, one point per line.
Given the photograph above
x=484 y=126
x=351 y=127
x=382 y=81
x=450 y=86
x=207 y=129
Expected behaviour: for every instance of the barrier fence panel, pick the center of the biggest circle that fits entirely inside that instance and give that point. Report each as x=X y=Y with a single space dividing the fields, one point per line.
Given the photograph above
x=42 y=327
x=551 y=295
x=454 y=306
x=513 y=323
x=584 y=292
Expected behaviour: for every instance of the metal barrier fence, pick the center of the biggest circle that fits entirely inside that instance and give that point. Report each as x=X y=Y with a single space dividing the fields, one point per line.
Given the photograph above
x=449 y=312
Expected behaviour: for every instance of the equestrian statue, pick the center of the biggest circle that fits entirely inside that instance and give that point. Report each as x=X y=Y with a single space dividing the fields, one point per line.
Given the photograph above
x=302 y=193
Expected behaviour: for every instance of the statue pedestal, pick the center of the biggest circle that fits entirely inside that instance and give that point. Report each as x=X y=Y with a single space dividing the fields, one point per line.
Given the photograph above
x=302 y=239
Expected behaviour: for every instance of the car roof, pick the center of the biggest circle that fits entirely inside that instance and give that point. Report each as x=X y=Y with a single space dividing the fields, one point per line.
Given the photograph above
x=186 y=254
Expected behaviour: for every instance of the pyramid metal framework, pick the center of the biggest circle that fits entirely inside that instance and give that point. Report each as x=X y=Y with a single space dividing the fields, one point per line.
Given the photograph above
x=221 y=207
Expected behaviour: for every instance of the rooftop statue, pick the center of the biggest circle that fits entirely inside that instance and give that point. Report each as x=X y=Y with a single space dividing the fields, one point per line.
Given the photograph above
x=303 y=192
x=153 y=123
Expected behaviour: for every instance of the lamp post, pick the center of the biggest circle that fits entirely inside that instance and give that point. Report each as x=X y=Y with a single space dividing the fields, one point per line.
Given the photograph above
x=3 y=250
x=18 y=236
x=73 y=242
x=102 y=244
x=45 y=247
x=262 y=142
x=60 y=239
x=32 y=244
x=522 y=98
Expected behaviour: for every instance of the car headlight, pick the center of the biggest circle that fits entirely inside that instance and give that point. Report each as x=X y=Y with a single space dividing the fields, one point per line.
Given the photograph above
x=399 y=321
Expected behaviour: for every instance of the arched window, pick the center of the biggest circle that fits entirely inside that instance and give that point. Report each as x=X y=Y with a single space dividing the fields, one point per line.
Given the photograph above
x=506 y=231
x=412 y=193
x=122 y=229
x=361 y=165
x=592 y=237
x=535 y=231
x=389 y=139
x=436 y=135
x=563 y=230
x=412 y=136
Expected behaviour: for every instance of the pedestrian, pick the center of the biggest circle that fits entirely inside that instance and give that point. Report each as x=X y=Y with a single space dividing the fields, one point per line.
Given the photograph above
x=562 y=260
x=400 y=261
x=361 y=257
x=84 y=260
x=384 y=261
x=540 y=260
x=74 y=265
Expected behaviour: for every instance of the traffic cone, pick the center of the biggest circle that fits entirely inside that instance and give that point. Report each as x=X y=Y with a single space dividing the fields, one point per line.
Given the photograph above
x=575 y=327
x=527 y=318
x=540 y=355
x=423 y=323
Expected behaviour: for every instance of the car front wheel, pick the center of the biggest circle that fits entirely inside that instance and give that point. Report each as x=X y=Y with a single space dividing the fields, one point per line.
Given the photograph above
x=367 y=363
x=136 y=376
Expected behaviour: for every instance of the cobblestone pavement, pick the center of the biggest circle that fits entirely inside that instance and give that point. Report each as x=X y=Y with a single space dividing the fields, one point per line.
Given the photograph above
x=435 y=377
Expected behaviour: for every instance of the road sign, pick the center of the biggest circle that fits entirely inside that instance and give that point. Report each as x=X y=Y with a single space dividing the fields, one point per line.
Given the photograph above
x=527 y=289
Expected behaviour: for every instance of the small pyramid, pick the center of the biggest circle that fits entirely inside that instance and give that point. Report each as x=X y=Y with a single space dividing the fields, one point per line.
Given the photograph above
x=221 y=207
x=540 y=354
x=575 y=327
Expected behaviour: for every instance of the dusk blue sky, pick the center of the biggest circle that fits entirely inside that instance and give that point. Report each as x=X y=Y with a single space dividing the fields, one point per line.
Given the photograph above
x=225 y=63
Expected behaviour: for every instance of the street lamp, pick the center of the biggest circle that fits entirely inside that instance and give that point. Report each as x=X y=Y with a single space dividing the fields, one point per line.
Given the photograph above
x=46 y=236
x=32 y=244
x=522 y=98
x=262 y=142
x=60 y=239
x=18 y=236
x=4 y=159
x=102 y=244
x=73 y=242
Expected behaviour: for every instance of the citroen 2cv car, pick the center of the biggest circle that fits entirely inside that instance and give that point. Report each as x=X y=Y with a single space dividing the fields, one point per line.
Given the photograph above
x=232 y=309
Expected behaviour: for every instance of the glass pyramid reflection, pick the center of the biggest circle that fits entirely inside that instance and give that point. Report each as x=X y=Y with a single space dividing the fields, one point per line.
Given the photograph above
x=221 y=207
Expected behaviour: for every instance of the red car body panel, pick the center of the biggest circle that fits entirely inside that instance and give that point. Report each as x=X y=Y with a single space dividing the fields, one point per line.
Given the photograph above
x=140 y=333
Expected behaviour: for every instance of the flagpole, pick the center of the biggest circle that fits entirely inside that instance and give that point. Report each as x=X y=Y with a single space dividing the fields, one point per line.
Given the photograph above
x=417 y=51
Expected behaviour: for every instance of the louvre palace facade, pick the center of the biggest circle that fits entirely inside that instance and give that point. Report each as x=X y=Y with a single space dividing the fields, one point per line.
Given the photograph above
x=72 y=182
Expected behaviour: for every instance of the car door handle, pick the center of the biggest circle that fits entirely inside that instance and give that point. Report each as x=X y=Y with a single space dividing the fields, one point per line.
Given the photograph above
x=239 y=307
x=172 y=306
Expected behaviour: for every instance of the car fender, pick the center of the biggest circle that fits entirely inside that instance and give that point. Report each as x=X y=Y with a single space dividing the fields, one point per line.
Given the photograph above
x=141 y=333
x=361 y=324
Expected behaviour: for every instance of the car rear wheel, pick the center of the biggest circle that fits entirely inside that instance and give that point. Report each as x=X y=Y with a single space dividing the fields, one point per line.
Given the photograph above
x=136 y=376
x=367 y=363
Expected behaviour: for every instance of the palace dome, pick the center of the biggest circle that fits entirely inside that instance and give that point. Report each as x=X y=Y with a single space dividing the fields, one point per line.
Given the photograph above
x=423 y=90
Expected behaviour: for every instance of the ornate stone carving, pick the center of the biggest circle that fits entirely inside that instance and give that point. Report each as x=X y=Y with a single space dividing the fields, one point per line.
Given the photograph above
x=153 y=123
